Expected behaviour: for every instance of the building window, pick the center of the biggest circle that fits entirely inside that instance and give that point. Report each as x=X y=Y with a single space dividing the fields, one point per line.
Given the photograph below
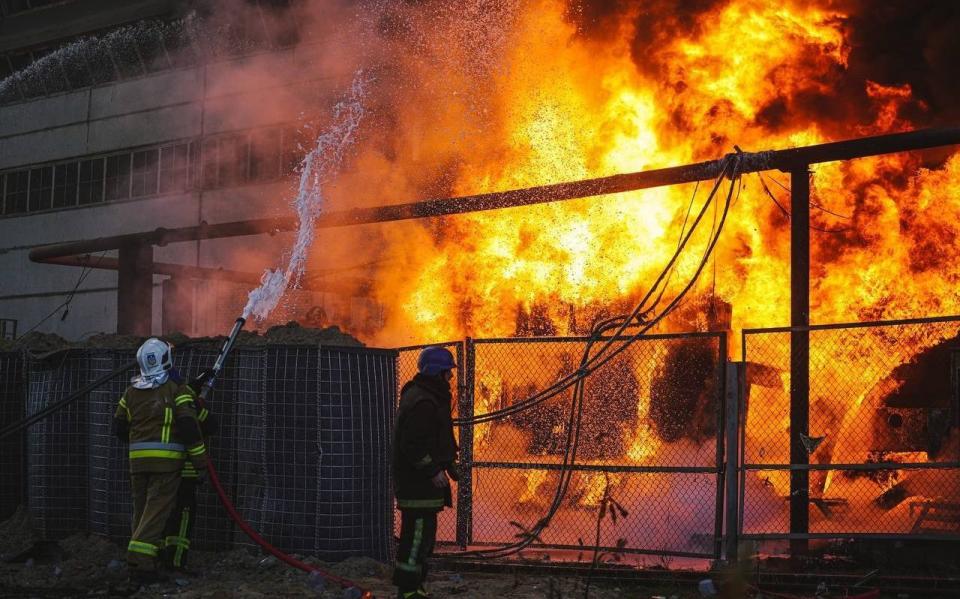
x=210 y=161
x=8 y=329
x=91 y=181
x=218 y=162
x=265 y=155
x=118 y=177
x=232 y=160
x=41 y=185
x=11 y=7
x=65 y=185
x=175 y=168
x=16 y=195
x=144 y=180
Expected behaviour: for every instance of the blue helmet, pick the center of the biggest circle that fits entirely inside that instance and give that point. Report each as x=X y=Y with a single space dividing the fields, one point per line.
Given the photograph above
x=434 y=360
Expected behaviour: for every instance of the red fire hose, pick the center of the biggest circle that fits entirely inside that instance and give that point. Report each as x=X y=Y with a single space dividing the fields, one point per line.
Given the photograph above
x=228 y=505
x=259 y=540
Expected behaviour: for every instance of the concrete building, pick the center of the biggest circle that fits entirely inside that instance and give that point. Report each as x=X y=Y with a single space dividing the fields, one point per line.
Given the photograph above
x=130 y=131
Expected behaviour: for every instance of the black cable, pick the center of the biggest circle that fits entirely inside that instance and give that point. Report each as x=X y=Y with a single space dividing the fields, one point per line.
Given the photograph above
x=772 y=197
x=578 y=395
x=812 y=203
x=84 y=273
x=39 y=415
x=787 y=212
x=571 y=378
x=59 y=405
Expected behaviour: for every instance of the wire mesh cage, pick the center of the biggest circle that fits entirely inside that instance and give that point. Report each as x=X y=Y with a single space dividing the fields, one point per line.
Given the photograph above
x=302 y=448
x=57 y=447
x=12 y=385
x=881 y=450
x=109 y=482
x=354 y=434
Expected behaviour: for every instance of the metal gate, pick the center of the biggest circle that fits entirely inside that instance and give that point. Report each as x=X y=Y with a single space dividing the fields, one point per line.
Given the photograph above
x=651 y=440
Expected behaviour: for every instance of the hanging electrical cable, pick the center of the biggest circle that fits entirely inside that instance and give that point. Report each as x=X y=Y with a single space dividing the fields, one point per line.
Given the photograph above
x=623 y=322
x=587 y=366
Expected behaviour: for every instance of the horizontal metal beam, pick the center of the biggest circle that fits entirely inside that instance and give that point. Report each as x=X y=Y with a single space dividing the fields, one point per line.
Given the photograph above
x=162 y=236
x=701 y=171
x=867 y=467
x=578 y=467
x=341 y=285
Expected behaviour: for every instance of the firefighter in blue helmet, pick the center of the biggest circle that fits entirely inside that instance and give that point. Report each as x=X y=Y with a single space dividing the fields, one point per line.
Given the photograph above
x=424 y=461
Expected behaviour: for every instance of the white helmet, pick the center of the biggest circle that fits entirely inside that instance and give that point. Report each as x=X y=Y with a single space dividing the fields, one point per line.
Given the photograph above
x=155 y=363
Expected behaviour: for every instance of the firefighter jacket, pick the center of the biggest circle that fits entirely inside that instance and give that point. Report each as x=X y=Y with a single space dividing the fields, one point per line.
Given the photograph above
x=424 y=444
x=161 y=426
x=208 y=426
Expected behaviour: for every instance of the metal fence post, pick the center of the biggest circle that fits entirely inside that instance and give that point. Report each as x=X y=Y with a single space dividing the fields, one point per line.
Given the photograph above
x=465 y=409
x=799 y=355
x=722 y=400
x=734 y=372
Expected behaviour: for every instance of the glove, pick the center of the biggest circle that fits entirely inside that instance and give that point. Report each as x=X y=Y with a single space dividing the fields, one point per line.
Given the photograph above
x=439 y=480
x=197 y=382
x=202 y=477
x=452 y=472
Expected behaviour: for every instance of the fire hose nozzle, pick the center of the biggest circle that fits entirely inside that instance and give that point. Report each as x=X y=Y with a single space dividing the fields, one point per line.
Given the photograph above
x=222 y=357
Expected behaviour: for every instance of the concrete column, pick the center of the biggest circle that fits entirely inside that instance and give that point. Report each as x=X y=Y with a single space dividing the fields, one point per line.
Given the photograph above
x=177 y=308
x=135 y=290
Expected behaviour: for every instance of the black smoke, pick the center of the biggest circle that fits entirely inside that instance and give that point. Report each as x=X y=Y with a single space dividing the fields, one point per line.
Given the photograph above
x=897 y=42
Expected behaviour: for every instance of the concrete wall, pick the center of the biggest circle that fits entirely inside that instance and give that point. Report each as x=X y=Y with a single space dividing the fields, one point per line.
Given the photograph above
x=168 y=106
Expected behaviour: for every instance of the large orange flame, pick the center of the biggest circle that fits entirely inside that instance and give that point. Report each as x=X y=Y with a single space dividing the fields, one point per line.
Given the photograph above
x=527 y=98
x=556 y=106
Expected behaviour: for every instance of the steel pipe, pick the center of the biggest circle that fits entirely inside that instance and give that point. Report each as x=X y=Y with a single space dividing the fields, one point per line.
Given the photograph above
x=786 y=160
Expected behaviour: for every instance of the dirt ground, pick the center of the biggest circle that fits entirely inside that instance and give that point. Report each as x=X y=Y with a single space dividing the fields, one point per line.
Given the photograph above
x=90 y=566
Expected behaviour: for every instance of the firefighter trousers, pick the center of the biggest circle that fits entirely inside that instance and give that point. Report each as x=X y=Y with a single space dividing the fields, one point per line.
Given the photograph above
x=154 y=495
x=180 y=525
x=418 y=535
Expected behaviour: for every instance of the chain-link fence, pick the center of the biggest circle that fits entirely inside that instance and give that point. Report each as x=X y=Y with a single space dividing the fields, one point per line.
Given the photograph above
x=649 y=429
x=304 y=447
x=875 y=430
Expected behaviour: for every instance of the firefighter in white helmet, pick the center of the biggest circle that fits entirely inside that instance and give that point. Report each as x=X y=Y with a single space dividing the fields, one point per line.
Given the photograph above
x=158 y=417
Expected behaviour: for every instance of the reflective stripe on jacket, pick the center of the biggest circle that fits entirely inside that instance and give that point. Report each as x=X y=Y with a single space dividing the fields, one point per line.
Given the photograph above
x=160 y=424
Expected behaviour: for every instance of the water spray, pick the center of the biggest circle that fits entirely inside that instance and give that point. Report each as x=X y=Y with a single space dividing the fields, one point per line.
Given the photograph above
x=319 y=165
